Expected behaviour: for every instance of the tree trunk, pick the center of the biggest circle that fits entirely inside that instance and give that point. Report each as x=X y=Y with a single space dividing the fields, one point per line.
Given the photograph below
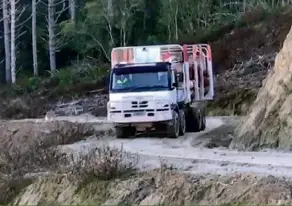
x=176 y=23
x=110 y=8
x=6 y=41
x=12 y=41
x=72 y=6
x=34 y=40
x=52 y=37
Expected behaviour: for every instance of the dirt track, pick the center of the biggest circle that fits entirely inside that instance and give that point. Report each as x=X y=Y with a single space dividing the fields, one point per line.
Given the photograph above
x=218 y=175
x=190 y=153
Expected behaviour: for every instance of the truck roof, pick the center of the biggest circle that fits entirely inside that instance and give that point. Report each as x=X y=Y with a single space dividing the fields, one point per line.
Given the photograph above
x=142 y=64
x=141 y=68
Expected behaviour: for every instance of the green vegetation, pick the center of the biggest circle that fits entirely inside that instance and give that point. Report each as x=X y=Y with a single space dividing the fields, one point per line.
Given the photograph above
x=60 y=83
x=84 y=43
x=99 y=27
x=136 y=22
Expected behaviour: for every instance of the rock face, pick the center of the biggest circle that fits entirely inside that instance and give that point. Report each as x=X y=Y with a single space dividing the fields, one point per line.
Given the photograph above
x=269 y=122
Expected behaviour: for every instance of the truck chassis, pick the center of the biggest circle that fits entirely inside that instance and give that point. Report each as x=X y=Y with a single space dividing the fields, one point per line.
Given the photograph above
x=187 y=119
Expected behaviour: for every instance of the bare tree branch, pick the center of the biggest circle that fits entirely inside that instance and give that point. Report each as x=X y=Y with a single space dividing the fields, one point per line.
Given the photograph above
x=42 y=2
x=59 y=13
x=58 y=3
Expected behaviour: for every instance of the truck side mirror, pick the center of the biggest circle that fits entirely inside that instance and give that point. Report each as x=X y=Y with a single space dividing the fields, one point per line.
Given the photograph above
x=179 y=77
x=175 y=84
x=106 y=81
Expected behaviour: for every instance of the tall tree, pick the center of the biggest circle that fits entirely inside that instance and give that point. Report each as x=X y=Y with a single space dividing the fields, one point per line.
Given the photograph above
x=34 y=38
x=72 y=6
x=53 y=17
x=12 y=39
x=6 y=40
x=16 y=11
x=52 y=36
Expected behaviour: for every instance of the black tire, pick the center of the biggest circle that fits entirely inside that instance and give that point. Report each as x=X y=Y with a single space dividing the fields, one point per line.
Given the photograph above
x=173 y=129
x=203 y=124
x=124 y=132
x=182 y=125
x=193 y=120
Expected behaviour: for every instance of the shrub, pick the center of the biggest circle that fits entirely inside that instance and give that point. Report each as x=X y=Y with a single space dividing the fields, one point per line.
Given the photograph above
x=17 y=167
x=103 y=163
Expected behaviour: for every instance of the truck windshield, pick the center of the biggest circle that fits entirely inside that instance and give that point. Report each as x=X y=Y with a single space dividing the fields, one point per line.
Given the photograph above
x=135 y=79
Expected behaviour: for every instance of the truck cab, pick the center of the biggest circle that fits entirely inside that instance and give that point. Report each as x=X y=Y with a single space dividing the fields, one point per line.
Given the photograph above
x=152 y=93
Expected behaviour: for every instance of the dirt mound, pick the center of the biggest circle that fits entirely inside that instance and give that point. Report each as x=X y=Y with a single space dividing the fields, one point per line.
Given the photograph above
x=94 y=104
x=159 y=187
x=219 y=137
x=243 y=58
x=268 y=124
x=22 y=107
x=21 y=134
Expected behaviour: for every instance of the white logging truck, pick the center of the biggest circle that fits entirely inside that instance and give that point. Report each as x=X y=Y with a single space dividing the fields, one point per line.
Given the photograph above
x=160 y=88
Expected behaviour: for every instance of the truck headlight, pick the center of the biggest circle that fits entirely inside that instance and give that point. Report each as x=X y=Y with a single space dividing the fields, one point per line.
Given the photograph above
x=161 y=102
x=112 y=105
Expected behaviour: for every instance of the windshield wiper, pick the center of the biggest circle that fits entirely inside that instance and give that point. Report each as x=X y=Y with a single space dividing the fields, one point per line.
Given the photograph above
x=156 y=87
x=148 y=87
x=136 y=88
x=122 y=89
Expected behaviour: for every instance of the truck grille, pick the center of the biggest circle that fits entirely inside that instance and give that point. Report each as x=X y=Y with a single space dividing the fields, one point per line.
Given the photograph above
x=139 y=104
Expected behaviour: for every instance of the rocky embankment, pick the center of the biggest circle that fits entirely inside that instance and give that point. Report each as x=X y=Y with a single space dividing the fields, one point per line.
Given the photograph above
x=268 y=125
x=244 y=58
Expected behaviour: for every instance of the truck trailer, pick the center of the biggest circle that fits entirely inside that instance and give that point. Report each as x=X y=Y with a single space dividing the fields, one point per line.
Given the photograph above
x=160 y=88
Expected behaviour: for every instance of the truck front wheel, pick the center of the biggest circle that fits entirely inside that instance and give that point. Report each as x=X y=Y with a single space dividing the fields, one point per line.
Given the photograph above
x=174 y=126
x=124 y=132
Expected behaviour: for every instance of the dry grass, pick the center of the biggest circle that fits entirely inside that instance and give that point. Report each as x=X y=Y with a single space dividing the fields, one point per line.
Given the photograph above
x=164 y=165
x=29 y=150
x=103 y=163
x=18 y=168
x=38 y=158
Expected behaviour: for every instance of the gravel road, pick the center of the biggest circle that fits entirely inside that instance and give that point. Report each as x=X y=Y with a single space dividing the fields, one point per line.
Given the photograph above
x=184 y=156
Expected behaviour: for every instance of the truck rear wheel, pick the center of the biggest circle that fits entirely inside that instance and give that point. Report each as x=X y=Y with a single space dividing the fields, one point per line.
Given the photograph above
x=182 y=126
x=193 y=120
x=174 y=126
x=203 y=124
x=124 y=132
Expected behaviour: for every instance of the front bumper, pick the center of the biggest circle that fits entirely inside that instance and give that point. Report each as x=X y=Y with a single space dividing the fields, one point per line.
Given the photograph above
x=140 y=116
